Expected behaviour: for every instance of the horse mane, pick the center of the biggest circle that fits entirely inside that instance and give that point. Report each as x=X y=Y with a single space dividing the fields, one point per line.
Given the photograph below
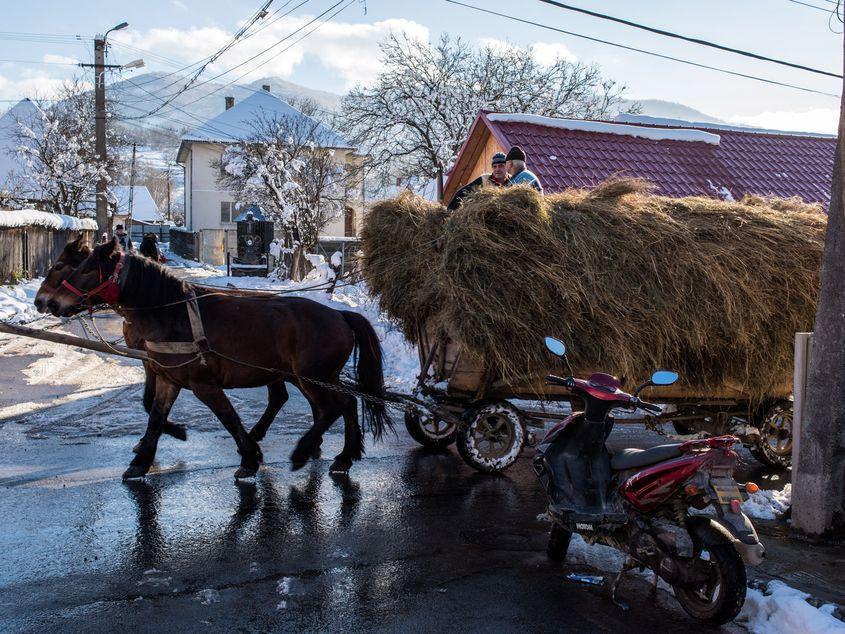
x=149 y=284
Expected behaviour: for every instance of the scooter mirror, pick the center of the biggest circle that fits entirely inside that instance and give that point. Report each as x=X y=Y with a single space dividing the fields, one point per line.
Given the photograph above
x=664 y=377
x=555 y=346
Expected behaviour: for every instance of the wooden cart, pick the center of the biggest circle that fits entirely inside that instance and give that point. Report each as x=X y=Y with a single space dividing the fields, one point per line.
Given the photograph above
x=490 y=420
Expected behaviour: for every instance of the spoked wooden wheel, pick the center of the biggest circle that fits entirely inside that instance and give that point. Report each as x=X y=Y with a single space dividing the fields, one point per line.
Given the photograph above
x=431 y=432
x=492 y=438
x=775 y=445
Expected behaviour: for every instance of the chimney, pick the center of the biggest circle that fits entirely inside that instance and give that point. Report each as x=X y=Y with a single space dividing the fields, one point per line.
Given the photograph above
x=230 y=101
x=265 y=87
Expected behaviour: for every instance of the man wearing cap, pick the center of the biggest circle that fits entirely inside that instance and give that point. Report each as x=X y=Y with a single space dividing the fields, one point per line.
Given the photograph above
x=520 y=175
x=499 y=178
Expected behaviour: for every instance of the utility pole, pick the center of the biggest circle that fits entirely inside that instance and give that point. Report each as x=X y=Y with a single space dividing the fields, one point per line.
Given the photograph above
x=169 y=177
x=100 y=130
x=131 y=192
x=819 y=482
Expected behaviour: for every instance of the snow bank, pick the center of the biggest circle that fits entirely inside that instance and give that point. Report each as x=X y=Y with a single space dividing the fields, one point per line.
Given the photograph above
x=605 y=127
x=626 y=117
x=16 y=301
x=33 y=217
x=768 y=505
x=781 y=609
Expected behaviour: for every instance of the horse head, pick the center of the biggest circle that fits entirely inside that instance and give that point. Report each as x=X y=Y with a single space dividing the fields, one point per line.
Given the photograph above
x=72 y=256
x=91 y=283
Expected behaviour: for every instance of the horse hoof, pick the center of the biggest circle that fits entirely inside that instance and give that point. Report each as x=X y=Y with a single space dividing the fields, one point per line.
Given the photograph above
x=317 y=453
x=179 y=432
x=134 y=473
x=296 y=465
x=245 y=472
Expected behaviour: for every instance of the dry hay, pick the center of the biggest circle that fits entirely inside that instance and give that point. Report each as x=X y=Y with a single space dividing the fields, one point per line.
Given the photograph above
x=631 y=281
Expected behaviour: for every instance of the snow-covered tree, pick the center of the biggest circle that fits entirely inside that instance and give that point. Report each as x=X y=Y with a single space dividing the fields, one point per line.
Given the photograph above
x=285 y=168
x=419 y=110
x=56 y=143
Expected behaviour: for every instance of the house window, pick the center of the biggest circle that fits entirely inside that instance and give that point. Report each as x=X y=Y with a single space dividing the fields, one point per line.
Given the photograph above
x=226 y=209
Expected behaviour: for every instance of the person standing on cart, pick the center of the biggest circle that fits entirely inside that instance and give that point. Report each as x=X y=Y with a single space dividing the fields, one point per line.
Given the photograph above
x=498 y=178
x=519 y=173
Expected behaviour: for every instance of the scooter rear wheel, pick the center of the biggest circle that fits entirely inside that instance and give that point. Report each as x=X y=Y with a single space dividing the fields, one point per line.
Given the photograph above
x=719 y=599
x=558 y=544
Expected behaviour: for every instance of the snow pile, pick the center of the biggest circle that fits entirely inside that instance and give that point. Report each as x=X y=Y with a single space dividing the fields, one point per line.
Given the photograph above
x=605 y=127
x=16 y=301
x=33 y=217
x=768 y=504
x=780 y=609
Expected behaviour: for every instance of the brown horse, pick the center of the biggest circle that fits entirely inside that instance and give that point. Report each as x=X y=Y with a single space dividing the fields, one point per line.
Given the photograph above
x=72 y=256
x=249 y=341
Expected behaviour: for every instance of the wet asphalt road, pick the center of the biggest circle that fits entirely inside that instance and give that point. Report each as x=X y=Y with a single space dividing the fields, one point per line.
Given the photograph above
x=411 y=541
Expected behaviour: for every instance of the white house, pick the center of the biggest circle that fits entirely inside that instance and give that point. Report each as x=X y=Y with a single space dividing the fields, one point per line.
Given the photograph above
x=144 y=209
x=207 y=206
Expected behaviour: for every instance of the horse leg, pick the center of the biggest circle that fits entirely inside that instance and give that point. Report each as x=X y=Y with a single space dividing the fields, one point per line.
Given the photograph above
x=216 y=400
x=165 y=396
x=353 y=438
x=277 y=396
x=170 y=428
x=327 y=406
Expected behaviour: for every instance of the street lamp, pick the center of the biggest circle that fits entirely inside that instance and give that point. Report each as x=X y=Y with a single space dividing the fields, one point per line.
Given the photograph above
x=135 y=63
x=120 y=26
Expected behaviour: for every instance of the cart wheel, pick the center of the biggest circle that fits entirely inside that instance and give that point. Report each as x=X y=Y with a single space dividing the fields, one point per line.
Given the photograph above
x=684 y=429
x=430 y=432
x=775 y=445
x=492 y=438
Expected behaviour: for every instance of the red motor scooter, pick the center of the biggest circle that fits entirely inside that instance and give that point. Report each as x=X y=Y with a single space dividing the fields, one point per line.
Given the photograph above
x=639 y=501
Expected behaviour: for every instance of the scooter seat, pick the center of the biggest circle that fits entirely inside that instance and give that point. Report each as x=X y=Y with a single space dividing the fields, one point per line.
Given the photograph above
x=630 y=458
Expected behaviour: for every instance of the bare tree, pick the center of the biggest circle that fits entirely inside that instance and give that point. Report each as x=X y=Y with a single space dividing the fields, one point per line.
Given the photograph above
x=419 y=111
x=290 y=168
x=56 y=144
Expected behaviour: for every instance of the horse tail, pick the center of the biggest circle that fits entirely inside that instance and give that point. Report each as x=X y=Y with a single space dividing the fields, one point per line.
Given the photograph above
x=369 y=373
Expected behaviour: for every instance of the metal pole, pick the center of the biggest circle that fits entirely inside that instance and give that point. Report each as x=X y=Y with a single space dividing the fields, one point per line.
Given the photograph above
x=100 y=130
x=131 y=193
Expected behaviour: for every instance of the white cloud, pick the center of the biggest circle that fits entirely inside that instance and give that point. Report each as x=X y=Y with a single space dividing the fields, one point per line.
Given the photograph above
x=544 y=53
x=41 y=86
x=179 y=5
x=823 y=120
x=548 y=53
x=350 y=50
x=59 y=59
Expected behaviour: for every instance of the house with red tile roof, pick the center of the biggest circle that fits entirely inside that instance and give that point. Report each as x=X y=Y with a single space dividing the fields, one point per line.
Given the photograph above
x=680 y=158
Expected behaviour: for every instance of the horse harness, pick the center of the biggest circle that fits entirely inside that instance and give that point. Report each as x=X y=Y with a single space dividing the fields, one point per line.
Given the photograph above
x=109 y=291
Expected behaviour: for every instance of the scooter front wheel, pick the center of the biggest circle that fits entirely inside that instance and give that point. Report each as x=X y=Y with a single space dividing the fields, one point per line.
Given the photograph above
x=492 y=438
x=718 y=598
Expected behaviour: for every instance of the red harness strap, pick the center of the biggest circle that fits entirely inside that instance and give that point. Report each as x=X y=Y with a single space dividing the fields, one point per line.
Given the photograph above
x=108 y=289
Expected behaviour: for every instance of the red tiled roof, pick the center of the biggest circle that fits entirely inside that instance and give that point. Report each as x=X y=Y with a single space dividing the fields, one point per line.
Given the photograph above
x=744 y=162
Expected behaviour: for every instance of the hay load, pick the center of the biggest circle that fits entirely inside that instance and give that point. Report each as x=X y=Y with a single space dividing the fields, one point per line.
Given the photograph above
x=633 y=281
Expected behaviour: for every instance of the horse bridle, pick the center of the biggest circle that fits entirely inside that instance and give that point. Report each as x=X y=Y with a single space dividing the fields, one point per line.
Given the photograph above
x=108 y=289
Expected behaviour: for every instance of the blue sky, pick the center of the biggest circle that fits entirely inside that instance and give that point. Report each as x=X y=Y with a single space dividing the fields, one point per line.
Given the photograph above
x=344 y=50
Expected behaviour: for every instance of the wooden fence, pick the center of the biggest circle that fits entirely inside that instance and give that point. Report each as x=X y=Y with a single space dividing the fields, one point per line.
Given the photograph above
x=30 y=251
x=184 y=243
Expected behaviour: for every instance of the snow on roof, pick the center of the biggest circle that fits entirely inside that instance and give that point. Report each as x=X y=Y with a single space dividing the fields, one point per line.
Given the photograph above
x=12 y=167
x=236 y=123
x=144 y=208
x=681 y=123
x=606 y=127
x=33 y=217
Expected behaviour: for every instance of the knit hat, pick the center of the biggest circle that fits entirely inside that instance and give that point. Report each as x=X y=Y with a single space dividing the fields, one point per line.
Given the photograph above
x=499 y=158
x=515 y=154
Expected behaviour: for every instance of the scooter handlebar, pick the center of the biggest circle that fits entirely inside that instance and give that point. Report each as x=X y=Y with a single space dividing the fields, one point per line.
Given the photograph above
x=649 y=407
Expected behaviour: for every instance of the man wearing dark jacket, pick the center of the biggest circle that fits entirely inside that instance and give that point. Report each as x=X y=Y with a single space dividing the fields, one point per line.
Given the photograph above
x=123 y=238
x=499 y=178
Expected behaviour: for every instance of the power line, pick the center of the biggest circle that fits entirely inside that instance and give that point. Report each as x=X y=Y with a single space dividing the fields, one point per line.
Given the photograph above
x=686 y=38
x=261 y=12
x=33 y=61
x=811 y=6
x=645 y=52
